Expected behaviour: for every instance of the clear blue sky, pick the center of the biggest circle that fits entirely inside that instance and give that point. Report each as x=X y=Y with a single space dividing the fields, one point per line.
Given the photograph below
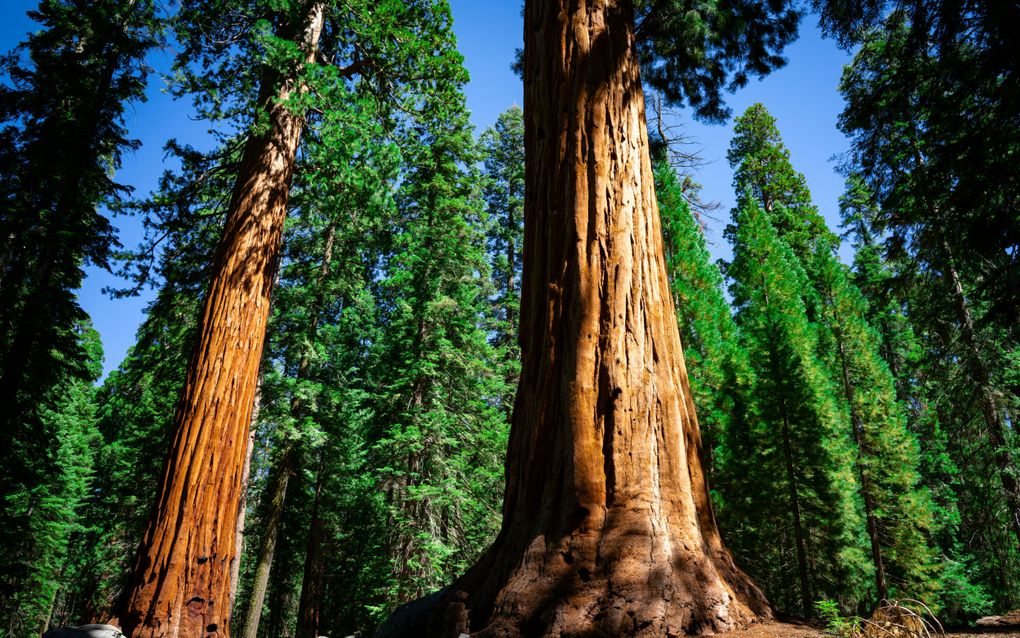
x=802 y=97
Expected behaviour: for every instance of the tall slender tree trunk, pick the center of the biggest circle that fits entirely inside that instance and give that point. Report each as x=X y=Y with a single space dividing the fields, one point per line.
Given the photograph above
x=310 y=605
x=607 y=523
x=799 y=535
x=991 y=409
x=867 y=490
x=242 y=507
x=264 y=562
x=181 y=581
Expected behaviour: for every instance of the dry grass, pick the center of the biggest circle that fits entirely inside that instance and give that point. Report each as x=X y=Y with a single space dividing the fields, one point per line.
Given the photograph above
x=900 y=619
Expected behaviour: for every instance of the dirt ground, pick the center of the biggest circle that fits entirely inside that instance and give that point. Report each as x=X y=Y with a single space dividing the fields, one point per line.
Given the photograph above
x=781 y=630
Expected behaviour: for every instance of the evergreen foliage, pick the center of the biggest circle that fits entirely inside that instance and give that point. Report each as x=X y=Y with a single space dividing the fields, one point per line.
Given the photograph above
x=858 y=422
x=52 y=507
x=923 y=96
x=439 y=435
x=897 y=510
x=502 y=148
x=720 y=375
x=810 y=512
x=63 y=97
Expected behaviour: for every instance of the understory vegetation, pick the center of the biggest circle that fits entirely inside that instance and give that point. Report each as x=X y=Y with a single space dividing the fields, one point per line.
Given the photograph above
x=857 y=418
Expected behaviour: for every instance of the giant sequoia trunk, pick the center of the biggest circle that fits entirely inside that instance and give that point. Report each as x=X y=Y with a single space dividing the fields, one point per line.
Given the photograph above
x=608 y=528
x=181 y=581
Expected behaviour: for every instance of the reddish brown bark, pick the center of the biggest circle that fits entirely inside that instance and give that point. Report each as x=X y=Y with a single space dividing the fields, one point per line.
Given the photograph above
x=608 y=527
x=242 y=506
x=181 y=581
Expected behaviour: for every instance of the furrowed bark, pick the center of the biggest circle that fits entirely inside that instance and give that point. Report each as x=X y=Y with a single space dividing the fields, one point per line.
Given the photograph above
x=242 y=507
x=608 y=527
x=181 y=581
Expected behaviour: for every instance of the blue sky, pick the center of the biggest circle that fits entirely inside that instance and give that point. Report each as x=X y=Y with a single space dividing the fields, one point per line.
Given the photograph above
x=802 y=96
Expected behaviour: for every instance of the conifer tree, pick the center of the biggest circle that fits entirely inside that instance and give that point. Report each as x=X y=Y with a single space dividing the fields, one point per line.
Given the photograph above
x=63 y=97
x=440 y=436
x=53 y=506
x=897 y=94
x=62 y=106
x=897 y=512
x=502 y=148
x=801 y=435
x=186 y=586
x=761 y=164
x=886 y=285
x=943 y=74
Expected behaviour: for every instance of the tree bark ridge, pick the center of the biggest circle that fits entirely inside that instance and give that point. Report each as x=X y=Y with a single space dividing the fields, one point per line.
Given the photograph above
x=608 y=527
x=181 y=581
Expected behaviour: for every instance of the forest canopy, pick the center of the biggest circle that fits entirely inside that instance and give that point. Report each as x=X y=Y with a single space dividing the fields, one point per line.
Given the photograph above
x=402 y=377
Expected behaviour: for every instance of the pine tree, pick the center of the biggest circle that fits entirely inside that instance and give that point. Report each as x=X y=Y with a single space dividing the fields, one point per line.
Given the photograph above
x=941 y=72
x=62 y=103
x=957 y=307
x=53 y=506
x=440 y=430
x=176 y=586
x=801 y=436
x=502 y=148
x=898 y=509
x=901 y=349
x=897 y=513
x=62 y=106
x=761 y=163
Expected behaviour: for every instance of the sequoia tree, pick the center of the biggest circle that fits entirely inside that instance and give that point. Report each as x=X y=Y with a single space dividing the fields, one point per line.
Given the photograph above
x=607 y=524
x=181 y=582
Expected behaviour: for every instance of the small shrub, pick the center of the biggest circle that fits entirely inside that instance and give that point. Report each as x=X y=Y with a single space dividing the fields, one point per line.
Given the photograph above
x=835 y=623
x=892 y=619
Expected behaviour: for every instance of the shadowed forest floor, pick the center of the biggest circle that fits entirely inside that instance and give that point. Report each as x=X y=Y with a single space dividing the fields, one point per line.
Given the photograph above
x=783 y=630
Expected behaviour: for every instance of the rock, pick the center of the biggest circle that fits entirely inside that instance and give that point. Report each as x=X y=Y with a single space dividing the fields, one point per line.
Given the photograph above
x=85 y=631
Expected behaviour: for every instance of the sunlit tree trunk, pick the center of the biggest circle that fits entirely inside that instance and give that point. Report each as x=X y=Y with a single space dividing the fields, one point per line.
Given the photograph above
x=608 y=527
x=181 y=581
x=242 y=507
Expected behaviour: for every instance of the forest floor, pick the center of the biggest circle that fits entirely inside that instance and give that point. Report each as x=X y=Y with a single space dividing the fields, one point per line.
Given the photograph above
x=783 y=630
